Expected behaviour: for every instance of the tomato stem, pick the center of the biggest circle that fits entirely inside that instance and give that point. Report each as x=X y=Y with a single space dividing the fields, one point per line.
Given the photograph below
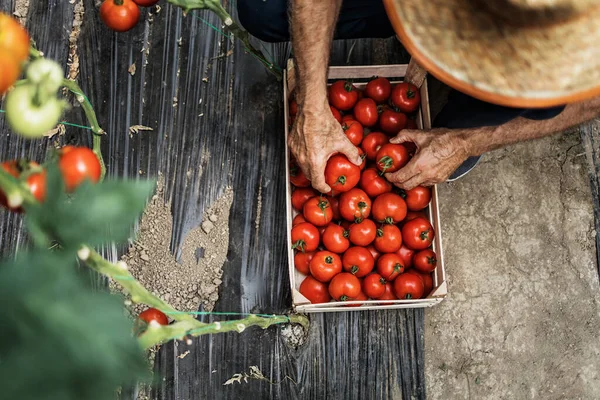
x=424 y=235
x=299 y=245
x=118 y=2
x=344 y=297
x=408 y=296
x=341 y=179
x=328 y=260
x=354 y=269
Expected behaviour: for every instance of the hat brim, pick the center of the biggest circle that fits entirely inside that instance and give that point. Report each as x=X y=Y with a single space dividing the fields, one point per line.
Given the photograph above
x=471 y=51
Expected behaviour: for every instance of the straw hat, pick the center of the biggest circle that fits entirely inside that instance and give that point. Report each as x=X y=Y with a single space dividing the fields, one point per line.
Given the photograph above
x=520 y=53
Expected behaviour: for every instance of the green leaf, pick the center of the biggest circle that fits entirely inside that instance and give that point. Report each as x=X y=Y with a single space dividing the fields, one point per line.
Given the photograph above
x=58 y=340
x=94 y=214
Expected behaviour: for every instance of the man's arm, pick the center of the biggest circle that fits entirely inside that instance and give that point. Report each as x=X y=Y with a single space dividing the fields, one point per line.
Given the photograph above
x=316 y=135
x=442 y=150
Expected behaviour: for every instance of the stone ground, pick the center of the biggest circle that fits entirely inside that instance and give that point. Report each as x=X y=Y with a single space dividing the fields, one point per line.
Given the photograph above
x=523 y=316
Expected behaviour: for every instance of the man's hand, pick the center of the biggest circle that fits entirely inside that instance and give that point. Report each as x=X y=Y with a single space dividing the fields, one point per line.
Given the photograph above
x=315 y=137
x=439 y=153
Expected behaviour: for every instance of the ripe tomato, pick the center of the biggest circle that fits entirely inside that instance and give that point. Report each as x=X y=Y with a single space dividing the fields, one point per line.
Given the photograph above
x=11 y=69
x=374 y=286
x=145 y=3
x=411 y=124
x=315 y=291
x=334 y=202
x=14 y=49
x=152 y=314
x=345 y=224
x=293 y=108
x=302 y=261
x=322 y=230
x=362 y=233
x=361 y=296
x=36 y=182
x=389 y=208
x=336 y=114
x=358 y=261
x=372 y=143
x=409 y=286
x=406 y=255
x=344 y=287
x=389 y=292
x=374 y=184
x=417 y=198
x=343 y=95
x=427 y=281
x=418 y=234
x=317 y=211
x=78 y=164
x=378 y=89
x=425 y=261
x=391 y=157
x=348 y=117
x=355 y=205
x=390 y=266
x=388 y=239
x=305 y=237
x=392 y=122
x=354 y=131
x=298 y=219
x=406 y=97
x=340 y=174
x=325 y=265
x=119 y=15
x=335 y=238
x=410 y=215
x=365 y=112
x=297 y=177
x=301 y=196
x=374 y=252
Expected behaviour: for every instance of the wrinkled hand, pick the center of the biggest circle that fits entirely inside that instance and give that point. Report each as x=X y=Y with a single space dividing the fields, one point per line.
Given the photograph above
x=439 y=153
x=316 y=136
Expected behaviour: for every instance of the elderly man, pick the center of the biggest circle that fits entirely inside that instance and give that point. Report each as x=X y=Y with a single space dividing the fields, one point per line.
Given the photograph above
x=514 y=65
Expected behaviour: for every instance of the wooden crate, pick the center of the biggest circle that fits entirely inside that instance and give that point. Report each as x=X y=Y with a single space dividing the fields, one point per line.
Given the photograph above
x=360 y=76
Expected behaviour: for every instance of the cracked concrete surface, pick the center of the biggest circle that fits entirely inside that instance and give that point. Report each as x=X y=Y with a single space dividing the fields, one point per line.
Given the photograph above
x=522 y=318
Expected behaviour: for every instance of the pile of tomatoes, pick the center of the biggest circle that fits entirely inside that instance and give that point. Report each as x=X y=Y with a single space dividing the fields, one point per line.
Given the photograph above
x=122 y=15
x=366 y=239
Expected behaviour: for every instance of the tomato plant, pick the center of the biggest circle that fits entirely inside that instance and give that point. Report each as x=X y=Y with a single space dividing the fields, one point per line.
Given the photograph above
x=378 y=89
x=325 y=265
x=406 y=254
x=392 y=122
x=409 y=286
x=355 y=205
x=418 y=234
x=354 y=131
x=406 y=97
x=362 y=233
x=391 y=157
x=425 y=261
x=388 y=208
x=305 y=237
x=119 y=15
x=358 y=261
x=388 y=239
x=302 y=261
x=315 y=291
x=344 y=287
x=297 y=177
x=301 y=195
x=374 y=285
x=335 y=238
x=35 y=181
x=374 y=184
x=343 y=95
x=390 y=266
x=340 y=174
x=417 y=198
x=365 y=112
x=152 y=314
x=317 y=211
x=372 y=143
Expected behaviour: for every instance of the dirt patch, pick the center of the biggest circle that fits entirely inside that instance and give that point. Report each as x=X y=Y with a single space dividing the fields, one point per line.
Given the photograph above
x=21 y=9
x=73 y=62
x=194 y=279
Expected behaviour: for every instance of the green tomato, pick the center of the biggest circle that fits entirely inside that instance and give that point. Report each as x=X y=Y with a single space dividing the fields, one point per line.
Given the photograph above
x=47 y=73
x=26 y=117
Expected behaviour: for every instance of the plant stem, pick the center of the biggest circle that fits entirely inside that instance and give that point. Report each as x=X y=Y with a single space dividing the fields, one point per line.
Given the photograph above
x=14 y=189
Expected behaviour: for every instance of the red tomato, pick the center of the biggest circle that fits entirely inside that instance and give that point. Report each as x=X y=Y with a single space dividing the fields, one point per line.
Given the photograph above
x=427 y=281
x=36 y=182
x=343 y=95
x=152 y=314
x=293 y=108
x=325 y=265
x=374 y=286
x=391 y=157
x=388 y=239
x=78 y=164
x=355 y=205
x=406 y=255
x=374 y=184
x=388 y=208
x=322 y=230
x=409 y=286
x=418 y=234
x=392 y=122
x=417 y=198
x=335 y=238
x=348 y=117
x=390 y=266
x=411 y=124
x=345 y=224
x=354 y=131
x=146 y=3
x=344 y=287
x=406 y=97
x=334 y=202
x=361 y=296
x=298 y=219
x=336 y=114
x=302 y=261
x=365 y=112
x=410 y=147
x=358 y=261
x=379 y=90
x=315 y=291
x=297 y=177
x=317 y=211
x=119 y=15
x=372 y=143
x=301 y=196
x=410 y=215
x=340 y=174
x=305 y=237
x=374 y=252
x=362 y=233
x=425 y=261
x=389 y=293
x=14 y=49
